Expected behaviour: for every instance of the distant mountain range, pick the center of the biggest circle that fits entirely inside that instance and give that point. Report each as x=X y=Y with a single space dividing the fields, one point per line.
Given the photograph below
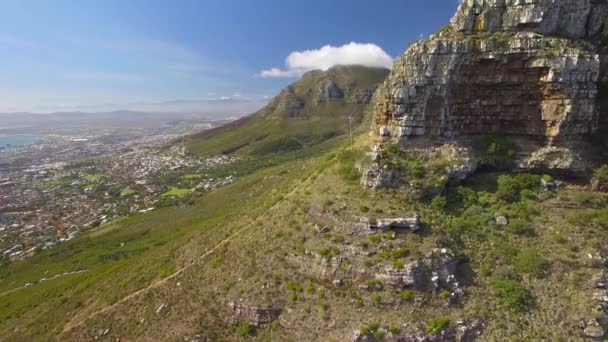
x=146 y=114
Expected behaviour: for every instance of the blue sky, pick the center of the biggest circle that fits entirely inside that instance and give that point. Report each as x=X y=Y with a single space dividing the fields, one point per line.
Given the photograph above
x=96 y=55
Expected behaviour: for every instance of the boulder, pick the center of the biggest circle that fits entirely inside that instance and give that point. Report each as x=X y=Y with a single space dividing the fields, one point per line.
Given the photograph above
x=161 y=309
x=502 y=221
x=397 y=224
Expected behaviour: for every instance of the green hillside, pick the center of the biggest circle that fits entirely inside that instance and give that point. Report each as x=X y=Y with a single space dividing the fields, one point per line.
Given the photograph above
x=309 y=112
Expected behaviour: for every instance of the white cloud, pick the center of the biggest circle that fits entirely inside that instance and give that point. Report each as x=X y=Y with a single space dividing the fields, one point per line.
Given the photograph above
x=299 y=62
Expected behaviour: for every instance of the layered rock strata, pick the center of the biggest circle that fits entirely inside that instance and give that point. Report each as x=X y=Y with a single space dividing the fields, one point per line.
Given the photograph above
x=501 y=67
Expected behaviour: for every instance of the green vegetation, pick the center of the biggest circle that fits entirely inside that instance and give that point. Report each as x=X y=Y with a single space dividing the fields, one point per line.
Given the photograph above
x=176 y=192
x=54 y=184
x=510 y=293
x=370 y=329
x=294 y=288
x=495 y=151
x=600 y=175
x=407 y=295
x=193 y=176
x=244 y=330
x=127 y=192
x=437 y=325
x=93 y=177
x=529 y=261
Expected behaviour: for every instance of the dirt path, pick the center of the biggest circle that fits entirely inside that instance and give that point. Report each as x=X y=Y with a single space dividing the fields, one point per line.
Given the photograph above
x=75 y=322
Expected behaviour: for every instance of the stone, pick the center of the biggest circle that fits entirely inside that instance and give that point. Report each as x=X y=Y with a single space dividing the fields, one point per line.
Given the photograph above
x=592 y=329
x=436 y=271
x=337 y=282
x=252 y=314
x=397 y=224
x=502 y=221
x=469 y=331
x=552 y=186
x=377 y=178
x=463 y=332
x=161 y=309
x=322 y=230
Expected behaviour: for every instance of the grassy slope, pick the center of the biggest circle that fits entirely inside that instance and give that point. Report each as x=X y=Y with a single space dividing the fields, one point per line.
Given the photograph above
x=256 y=265
x=277 y=209
x=155 y=245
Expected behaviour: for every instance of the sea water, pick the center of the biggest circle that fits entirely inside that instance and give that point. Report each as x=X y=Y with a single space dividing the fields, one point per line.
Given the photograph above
x=17 y=140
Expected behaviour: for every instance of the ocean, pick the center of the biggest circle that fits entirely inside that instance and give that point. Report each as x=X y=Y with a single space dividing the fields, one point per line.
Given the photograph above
x=17 y=140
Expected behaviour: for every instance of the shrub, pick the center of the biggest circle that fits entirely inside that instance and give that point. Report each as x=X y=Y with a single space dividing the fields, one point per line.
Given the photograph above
x=243 y=330
x=310 y=288
x=444 y=294
x=602 y=218
x=437 y=325
x=600 y=177
x=511 y=186
x=369 y=329
x=347 y=168
x=393 y=329
x=363 y=208
x=439 y=203
x=407 y=295
x=373 y=282
x=467 y=196
x=398 y=265
x=529 y=261
x=375 y=238
x=216 y=261
x=377 y=298
x=520 y=227
x=400 y=252
x=582 y=218
x=528 y=194
x=293 y=286
x=510 y=293
x=587 y=198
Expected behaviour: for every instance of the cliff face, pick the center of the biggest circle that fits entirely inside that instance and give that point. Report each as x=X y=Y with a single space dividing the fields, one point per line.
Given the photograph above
x=518 y=67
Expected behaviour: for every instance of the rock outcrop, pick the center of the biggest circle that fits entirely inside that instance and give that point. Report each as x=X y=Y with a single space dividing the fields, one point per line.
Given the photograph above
x=531 y=70
x=254 y=315
x=508 y=67
x=462 y=332
x=436 y=271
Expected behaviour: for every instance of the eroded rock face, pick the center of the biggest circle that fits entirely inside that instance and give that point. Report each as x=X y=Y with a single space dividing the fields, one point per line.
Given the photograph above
x=328 y=90
x=531 y=69
x=520 y=84
x=290 y=103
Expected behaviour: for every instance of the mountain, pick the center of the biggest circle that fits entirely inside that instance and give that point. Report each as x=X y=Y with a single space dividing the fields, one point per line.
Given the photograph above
x=430 y=227
x=308 y=112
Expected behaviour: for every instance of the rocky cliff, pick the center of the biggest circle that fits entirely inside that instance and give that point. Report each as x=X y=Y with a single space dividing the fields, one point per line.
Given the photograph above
x=515 y=67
